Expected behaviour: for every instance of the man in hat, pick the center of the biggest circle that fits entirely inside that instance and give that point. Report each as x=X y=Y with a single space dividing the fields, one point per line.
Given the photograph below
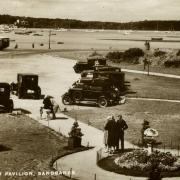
x=121 y=126
x=49 y=103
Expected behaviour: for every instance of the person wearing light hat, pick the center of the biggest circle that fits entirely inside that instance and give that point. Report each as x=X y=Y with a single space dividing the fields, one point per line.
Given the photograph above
x=110 y=127
x=106 y=134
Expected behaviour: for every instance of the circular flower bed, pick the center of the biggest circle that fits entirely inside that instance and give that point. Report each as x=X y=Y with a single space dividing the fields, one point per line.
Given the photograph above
x=139 y=160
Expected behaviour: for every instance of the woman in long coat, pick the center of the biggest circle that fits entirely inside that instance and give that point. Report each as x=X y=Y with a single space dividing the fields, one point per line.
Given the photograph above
x=106 y=133
x=110 y=127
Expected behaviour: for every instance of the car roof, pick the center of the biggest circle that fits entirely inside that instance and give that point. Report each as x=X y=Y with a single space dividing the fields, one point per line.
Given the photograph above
x=96 y=58
x=27 y=74
x=1 y=37
x=108 y=72
x=4 y=84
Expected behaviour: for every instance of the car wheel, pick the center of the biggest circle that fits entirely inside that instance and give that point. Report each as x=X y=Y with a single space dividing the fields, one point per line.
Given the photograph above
x=66 y=100
x=102 y=102
x=77 y=96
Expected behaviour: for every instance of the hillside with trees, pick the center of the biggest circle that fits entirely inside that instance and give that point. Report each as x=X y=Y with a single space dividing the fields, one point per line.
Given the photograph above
x=32 y=22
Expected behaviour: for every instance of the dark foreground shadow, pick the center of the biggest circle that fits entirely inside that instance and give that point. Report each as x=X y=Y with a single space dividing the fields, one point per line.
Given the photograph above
x=4 y=148
x=23 y=111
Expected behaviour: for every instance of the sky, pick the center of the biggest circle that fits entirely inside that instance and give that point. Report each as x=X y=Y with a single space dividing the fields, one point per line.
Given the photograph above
x=94 y=10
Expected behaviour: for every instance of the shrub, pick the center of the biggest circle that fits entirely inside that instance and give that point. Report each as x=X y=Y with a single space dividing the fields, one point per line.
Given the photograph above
x=159 y=53
x=114 y=55
x=178 y=53
x=175 y=63
x=133 y=53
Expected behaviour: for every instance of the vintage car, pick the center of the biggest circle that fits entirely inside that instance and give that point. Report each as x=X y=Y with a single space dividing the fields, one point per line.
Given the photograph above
x=26 y=86
x=6 y=103
x=4 y=42
x=90 y=64
x=115 y=78
x=93 y=87
x=103 y=97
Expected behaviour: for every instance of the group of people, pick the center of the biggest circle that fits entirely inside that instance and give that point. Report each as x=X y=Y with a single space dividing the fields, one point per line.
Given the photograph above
x=114 y=133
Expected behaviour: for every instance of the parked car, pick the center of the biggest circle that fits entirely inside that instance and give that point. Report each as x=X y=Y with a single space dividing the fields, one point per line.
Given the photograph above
x=4 y=42
x=114 y=78
x=5 y=101
x=90 y=88
x=26 y=86
x=90 y=63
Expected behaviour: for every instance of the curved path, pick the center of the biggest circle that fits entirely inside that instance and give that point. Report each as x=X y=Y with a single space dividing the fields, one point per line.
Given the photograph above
x=153 y=99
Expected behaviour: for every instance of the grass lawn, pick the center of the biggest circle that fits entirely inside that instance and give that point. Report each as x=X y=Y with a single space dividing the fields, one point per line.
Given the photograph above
x=27 y=146
x=163 y=116
x=153 y=86
x=82 y=55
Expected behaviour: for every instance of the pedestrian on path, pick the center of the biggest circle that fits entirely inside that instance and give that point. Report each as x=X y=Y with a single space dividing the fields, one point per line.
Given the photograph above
x=110 y=127
x=121 y=126
x=50 y=103
x=145 y=62
x=106 y=134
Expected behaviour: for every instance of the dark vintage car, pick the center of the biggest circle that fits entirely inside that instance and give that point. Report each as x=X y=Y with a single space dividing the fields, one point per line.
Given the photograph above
x=103 y=97
x=93 y=87
x=6 y=103
x=90 y=63
x=26 y=86
x=115 y=78
x=4 y=43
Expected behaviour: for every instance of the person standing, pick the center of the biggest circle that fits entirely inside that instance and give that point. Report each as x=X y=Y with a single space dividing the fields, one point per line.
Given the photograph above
x=145 y=62
x=106 y=134
x=121 y=126
x=111 y=141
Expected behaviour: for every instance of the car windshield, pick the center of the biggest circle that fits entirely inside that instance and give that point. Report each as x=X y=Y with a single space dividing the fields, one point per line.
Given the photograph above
x=2 y=90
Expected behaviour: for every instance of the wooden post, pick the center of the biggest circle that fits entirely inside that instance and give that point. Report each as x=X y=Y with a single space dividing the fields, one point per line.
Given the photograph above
x=70 y=175
x=148 y=66
x=94 y=176
x=50 y=39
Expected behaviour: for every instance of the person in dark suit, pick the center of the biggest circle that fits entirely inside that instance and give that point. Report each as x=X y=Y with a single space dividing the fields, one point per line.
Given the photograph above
x=121 y=126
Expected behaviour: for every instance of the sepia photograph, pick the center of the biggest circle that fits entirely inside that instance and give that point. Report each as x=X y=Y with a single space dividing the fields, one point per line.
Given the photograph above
x=90 y=90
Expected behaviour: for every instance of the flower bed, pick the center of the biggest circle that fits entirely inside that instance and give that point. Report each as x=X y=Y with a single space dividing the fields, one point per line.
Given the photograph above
x=139 y=160
x=138 y=163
